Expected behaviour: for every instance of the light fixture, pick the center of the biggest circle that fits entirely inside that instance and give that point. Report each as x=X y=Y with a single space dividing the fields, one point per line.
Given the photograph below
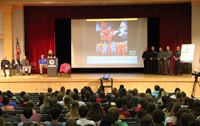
x=112 y=19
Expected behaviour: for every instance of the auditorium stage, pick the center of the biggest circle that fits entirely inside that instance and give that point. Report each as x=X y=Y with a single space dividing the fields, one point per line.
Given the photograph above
x=39 y=83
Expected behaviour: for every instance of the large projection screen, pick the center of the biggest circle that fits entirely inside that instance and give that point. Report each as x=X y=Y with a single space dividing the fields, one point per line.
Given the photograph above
x=108 y=44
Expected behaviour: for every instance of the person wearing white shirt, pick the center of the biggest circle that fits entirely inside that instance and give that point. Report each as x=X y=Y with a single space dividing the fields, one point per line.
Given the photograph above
x=83 y=111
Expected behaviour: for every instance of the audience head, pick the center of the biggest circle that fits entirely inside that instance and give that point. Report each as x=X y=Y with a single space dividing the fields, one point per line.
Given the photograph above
x=71 y=122
x=158 y=116
x=156 y=87
x=67 y=100
x=59 y=97
x=67 y=91
x=150 y=107
x=26 y=98
x=75 y=97
x=107 y=121
x=83 y=111
x=41 y=97
x=75 y=90
x=146 y=121
x=148 y=90
x=114 y=113
x=186 y=119
x=22 y=94
x=27 y=112
x=176 y=90
x=5 y=100
x=62 y=90
x=55 y=113
x=49 y=90
x=119 y=103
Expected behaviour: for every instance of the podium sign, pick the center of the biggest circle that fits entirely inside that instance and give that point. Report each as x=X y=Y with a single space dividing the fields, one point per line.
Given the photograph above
x=52 y=67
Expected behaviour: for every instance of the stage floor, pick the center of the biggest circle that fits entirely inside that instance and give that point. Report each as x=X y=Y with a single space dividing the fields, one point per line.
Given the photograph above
x=39 y=83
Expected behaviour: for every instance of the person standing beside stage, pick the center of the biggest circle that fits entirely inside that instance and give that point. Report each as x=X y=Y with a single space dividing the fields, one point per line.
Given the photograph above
x=145 y=57
x=16 y=65
x=26 y=66
x=167 y=60
x=177 y=65
x=5 y=64
x=160 y=59
x=42 y=63
x=153 y=61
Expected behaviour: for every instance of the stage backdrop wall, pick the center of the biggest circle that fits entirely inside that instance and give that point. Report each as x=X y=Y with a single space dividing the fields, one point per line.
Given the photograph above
x=174 y=24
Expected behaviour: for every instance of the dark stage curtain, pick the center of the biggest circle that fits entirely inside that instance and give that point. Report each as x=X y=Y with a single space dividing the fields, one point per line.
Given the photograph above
x=174 y=25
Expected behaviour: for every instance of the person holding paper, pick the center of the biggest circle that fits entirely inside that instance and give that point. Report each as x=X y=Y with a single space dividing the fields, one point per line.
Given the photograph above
x=5 y=64
x=167 y=60
x=177 y=65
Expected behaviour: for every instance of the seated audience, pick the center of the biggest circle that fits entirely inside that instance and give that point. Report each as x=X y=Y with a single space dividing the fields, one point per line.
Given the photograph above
x=73 y=113
x=150 y=108
x=187 y=119
x=146 y=121
x=156 y=92
x=71 y=122
x=158 y=117
x=114 y=113
x=175 y=91
x=16 y=65
x=77 y=98
x=42 y=63
x=26 y=67
x=62 y=90
x=26 y=99
x=122 y=113
x=67 y=103
x=54 y=115
x=41 y=100
x=27 y=113
x=5 y=64
x=107 y=121
x=83 y=111
x=11 y=103
x=96 y=113
x=60 y=99
x=49 y=92
x=173 y=117
x=35 y=116
x=6 y=106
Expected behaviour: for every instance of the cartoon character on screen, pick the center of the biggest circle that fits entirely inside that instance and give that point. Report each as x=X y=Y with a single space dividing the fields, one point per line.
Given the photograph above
x=99 y=48
x=118 y=49
x=104 y=49
x=123 y=49
x=109 y=49
x=123 y=30
x=106 y=32
x=113 y=48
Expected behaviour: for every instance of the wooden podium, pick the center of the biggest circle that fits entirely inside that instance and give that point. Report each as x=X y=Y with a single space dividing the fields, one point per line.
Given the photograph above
x=52 y=67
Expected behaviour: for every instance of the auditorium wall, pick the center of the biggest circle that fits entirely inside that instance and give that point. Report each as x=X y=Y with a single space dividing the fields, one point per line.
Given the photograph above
x=18 y=30
x=1 y=33
x=196 y=36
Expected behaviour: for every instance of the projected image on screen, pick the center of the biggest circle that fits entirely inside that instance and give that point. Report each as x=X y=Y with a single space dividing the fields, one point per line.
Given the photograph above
x=112 y=38
x=108 y=44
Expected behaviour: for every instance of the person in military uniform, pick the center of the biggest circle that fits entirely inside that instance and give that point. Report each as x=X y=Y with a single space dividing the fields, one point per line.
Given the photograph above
x=160 y=58
x=167 y=61
x=177 y=65
x=5 y=64
x=145 y=57
x=153 y=61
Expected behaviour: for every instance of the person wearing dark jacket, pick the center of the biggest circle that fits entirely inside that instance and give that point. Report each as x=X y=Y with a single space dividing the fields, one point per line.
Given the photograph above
x=5 y=64
x=16 y=64
x=145 y=57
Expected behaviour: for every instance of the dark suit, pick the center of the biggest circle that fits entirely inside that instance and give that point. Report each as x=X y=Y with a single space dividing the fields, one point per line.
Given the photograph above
x=145 y=57
x=4 y=67
x=16 y=65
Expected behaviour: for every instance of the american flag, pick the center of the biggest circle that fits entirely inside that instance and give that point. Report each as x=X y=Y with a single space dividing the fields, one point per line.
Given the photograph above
x=18 y=49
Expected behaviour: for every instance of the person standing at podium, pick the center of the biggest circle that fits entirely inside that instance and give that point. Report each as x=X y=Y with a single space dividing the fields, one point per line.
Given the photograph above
x=50 y=54
x=42 y=63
